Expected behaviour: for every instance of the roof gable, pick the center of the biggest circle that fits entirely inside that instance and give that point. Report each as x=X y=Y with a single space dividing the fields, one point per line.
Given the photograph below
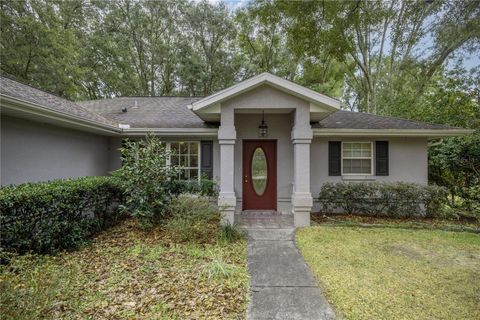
x=315 y=98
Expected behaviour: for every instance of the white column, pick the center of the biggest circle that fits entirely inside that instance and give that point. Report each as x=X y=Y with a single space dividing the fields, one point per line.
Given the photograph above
x=226 y=138
x=302 y=201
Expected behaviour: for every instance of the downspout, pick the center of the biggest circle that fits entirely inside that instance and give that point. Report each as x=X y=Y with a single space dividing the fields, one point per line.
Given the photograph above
x=435 y=143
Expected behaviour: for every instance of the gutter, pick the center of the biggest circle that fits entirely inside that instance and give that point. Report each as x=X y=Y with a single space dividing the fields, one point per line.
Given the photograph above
x=171 y=131
x=428 y=133
x=39 y=110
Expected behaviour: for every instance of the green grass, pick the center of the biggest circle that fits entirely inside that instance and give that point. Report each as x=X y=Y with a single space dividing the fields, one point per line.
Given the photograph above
x=128 y=273
x=384 y=273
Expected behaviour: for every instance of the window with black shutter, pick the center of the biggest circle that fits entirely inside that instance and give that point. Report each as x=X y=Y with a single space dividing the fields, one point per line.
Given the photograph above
x=207 y=158
x=334 y=158
x=381 y=158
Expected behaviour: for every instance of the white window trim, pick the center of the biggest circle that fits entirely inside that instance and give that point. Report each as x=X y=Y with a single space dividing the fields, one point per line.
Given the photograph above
x=199 y=153
x=371 y=159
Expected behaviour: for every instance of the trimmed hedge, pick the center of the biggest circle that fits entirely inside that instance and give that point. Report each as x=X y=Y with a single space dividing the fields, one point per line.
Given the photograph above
x=50 y=216
x=384 y=199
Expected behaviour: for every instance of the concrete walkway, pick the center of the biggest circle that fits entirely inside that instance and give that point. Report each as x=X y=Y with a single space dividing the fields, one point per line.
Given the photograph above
x=281 y=284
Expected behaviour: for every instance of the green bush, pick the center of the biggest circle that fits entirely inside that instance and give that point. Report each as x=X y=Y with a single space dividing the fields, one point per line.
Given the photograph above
x=50 y=216
x=230 y=233
x=192 y=219
x=204 y=187
x=145 y=179
x=383 y=199
x=149 y=184
x=219 y=269
x=474 y=198
x=469 y=206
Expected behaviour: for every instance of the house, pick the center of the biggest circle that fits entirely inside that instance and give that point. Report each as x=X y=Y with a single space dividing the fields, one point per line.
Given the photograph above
x=270 y=143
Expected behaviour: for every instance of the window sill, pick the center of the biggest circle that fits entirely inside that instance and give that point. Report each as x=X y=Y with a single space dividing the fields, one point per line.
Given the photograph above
x=359 y=177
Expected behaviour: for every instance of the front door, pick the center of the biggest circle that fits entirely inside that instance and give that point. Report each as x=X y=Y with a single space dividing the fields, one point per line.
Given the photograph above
x=259 y=175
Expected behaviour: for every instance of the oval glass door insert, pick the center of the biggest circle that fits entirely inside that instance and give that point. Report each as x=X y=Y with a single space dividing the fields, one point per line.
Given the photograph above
x=259 y=171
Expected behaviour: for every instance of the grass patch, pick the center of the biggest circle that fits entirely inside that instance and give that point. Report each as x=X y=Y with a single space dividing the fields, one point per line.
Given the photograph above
x=219 y=269
x=375 y=273
x=128 y=273
x=230 y=233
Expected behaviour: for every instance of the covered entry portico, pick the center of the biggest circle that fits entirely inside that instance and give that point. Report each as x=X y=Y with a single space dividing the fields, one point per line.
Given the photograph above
x=288 y=110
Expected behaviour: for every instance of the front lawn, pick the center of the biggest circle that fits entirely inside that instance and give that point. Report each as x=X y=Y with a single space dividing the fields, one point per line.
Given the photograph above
x=129 y=273
x=384 y=273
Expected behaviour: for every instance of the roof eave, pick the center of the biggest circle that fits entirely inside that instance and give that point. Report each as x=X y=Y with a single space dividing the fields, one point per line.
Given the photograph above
x=427 y=133
x=200 y=132
x=68 y=119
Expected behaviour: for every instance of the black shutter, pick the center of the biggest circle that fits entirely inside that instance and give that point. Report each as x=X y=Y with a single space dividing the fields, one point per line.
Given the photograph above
x=381 y=158
x=206 y=164
x=334 y=158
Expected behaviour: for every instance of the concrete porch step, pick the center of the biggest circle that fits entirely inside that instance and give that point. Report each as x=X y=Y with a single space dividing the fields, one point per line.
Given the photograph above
x=260 y=212
x=266 y=225
x=287 y=234
x=262 y=220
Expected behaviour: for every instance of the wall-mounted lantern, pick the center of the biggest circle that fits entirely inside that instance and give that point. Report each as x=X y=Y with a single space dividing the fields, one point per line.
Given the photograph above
x=263 y=128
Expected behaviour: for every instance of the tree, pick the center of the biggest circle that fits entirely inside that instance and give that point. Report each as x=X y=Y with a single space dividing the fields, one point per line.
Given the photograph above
x=262 y=42
x=141 y=35
x=206 y=61
x=453 y=99
x=379 y=44
x=40 y=43
x=265 y=46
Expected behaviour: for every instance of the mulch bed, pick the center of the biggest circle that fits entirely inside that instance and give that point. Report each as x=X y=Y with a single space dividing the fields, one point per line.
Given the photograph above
x=127 y=273
x=419 y=222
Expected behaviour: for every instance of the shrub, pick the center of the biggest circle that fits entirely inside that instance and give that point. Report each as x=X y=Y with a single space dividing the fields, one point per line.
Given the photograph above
x=230 y=233
x=149 y=184
x=219 y=269
x=204 y=187
x=383 y=199
x=192 y=218
x=50 y=216
x=145 y=179
x=473 y=200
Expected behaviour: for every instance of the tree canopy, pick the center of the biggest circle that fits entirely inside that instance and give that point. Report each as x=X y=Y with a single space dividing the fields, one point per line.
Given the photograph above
x=376 y=56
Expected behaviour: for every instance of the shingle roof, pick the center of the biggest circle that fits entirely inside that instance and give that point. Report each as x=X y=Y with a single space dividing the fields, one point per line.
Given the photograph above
x=172 y=112
x=18 y=90
x=150 y=112
x=357 y=120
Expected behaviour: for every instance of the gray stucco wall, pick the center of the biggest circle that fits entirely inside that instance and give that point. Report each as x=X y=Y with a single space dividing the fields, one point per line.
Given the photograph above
x=32 y=151
x=114 y=161
x=408 y=162
x=264 y=97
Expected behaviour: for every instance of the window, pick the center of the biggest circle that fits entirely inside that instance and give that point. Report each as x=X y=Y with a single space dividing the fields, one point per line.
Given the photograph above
x=357 y=158
x=186 y=156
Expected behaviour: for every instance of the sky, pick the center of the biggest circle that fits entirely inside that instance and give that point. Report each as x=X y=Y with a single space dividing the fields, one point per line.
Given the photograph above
x=231 y=4
x=472 y=60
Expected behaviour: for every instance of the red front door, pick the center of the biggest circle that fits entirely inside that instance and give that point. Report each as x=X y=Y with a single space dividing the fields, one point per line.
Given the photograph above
x=259 y=175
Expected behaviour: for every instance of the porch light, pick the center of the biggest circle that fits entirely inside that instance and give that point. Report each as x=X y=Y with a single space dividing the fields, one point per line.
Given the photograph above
x=263 y=128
